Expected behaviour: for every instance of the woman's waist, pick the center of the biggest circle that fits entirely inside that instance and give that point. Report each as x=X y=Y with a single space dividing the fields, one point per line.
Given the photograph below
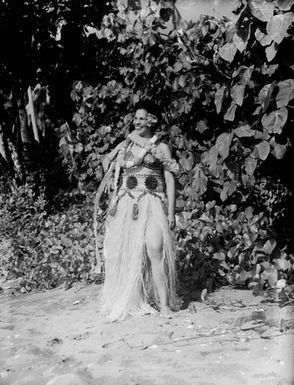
x=150 y=182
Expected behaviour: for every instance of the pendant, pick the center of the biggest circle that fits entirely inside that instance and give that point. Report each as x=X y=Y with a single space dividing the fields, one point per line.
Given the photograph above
x=113 y=209
x=135 y=213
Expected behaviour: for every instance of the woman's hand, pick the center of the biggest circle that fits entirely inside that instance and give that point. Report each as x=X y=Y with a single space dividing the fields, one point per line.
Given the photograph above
x=171 y=221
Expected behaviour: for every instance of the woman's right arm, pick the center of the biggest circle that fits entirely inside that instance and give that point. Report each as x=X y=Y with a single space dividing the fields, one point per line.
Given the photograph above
x=109 y=157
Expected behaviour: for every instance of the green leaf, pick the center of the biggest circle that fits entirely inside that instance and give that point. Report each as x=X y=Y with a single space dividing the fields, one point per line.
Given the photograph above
x=249 y=212
x=271 y=275
x=285 y=5
x=219 y=97
x=186 y=161
x=228 y=52
x=240 y=44
x=237 y=94
x=275 y=120
x=221 y=256
x=282 y=264
x=265 y=93
x=263 y=38
x=278 y=26
x=250 y=165
x=286 y=92
x=202 y=126
x=279 y=150
x=261 y=9
x=212 y=157
x=230 y=114
x=269 y=246
x=200 y=180
x=228 y=189
x=243 y=276
x=178 y=66
x=263 y=150
x=182 y=80
x=244 y=131
x=223 y=144
x=271 y=51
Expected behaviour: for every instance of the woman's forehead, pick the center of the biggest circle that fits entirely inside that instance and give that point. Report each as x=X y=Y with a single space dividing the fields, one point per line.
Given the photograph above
x=141 y=113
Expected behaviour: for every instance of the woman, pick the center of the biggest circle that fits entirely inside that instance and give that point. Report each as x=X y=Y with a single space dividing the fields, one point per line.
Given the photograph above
x=138 y=243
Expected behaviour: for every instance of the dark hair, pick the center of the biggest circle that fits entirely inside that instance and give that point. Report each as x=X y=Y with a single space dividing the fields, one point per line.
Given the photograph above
x=151 y=108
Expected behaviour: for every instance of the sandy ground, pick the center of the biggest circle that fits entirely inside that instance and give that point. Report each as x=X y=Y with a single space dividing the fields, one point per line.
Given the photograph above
x=57 y=338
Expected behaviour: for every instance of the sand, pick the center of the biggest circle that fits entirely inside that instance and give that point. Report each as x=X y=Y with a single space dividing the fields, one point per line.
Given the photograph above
x=58 y=338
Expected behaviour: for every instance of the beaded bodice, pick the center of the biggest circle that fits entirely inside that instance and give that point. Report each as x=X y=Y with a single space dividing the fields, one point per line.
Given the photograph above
x=148 y=161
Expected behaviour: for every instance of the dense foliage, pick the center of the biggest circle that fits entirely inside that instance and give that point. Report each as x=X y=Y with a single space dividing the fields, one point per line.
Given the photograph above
x=227 y=91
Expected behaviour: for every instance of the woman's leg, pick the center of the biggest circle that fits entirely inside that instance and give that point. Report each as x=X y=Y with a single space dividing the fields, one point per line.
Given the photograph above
x=154 y=243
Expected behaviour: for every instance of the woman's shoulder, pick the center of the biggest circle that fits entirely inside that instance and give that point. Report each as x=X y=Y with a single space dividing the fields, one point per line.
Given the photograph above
x=164 y=147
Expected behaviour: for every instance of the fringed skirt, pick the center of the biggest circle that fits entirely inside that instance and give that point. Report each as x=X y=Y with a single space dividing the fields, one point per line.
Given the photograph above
x=129 y=288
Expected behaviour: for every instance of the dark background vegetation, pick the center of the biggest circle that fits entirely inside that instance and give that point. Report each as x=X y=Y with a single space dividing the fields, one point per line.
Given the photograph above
x=227 y=93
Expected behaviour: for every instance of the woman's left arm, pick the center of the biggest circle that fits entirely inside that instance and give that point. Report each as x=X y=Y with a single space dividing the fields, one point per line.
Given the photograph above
x=170 y=187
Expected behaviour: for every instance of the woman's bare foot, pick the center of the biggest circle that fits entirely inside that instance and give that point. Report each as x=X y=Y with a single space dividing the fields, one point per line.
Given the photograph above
x=166 y=311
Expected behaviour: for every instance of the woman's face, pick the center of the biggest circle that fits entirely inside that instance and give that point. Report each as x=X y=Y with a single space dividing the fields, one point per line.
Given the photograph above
x=141 y=124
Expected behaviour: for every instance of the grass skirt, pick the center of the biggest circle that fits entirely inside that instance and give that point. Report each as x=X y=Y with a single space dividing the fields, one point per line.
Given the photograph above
x=129 y=288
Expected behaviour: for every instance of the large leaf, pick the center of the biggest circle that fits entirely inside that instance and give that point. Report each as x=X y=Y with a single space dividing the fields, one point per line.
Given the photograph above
x=219 y=97
x=269 y=246
x=237 y=94
x=275 y=120
x=200 y=180
x=261 y=9
x=279 y=150
x=186 y=161
x=278 y=26
x=240 y=44
x=228 y=189
x=285 y=5
x=228 y=52
x=230 y=114
x=286 y=92
x=244 y=131
x=202 y=126
x=264 y=96
x=212 y=158
x=223 y=143
x=271 y=51
x=262 y=150
x=263 y=38
x=270 y=275
x=250 y=165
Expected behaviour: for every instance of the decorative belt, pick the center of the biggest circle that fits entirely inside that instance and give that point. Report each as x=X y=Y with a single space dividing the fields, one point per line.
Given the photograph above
x=152 y=183
x=144 y=184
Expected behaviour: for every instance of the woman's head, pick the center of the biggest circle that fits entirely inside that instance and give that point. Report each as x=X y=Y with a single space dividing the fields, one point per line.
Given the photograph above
x=147 y=117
